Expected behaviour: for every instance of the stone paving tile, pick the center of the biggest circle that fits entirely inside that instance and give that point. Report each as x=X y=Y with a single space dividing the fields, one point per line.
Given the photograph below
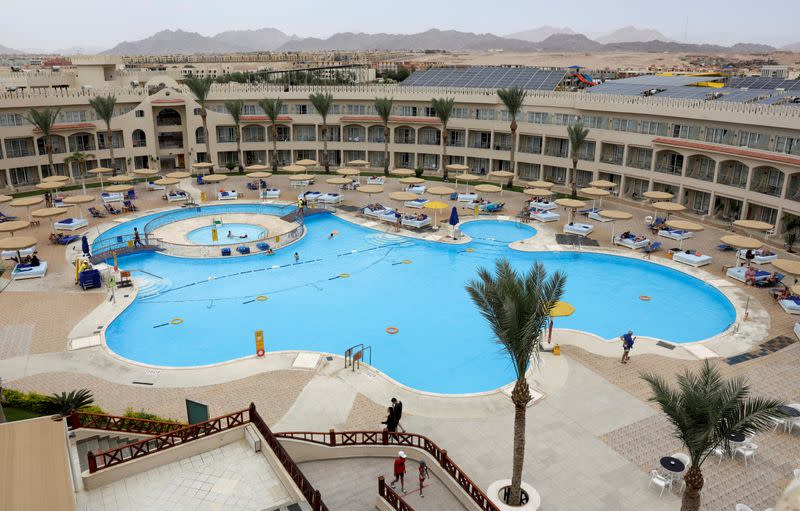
x=366 y=415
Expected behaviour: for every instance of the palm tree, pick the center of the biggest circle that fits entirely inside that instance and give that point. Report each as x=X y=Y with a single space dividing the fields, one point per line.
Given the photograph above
x=66 y=403
x=512 y=98
x=200 y=88
x=104 y=108
x=704 y=409
x=517 y=308
x=384 y=108
x=272 y=107
x=2 y=413
x=235 y=107
x=577 y=138
x=44 y=120
x=323 y=103
x=81 y=159
x=443 y=108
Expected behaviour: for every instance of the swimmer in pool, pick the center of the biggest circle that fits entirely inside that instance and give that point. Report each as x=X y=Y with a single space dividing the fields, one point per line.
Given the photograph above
x=231 y=235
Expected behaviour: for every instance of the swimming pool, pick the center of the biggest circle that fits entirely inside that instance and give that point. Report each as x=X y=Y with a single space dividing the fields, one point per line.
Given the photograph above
x=238 y=232
x=443 y=344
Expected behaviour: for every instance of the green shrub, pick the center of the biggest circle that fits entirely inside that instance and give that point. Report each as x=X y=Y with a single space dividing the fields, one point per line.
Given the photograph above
x=93 y=409
x=141 y=414
x=230 y=165
x=31 y=401
x=418 y=171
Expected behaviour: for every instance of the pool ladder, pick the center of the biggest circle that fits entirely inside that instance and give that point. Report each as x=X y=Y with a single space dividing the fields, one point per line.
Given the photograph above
x=354 y=355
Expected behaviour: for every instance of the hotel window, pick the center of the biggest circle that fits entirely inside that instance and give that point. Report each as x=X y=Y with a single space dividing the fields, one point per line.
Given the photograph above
x=304 y=134
x=18 y=147
x=116 y=137
x=335 y=110
x=23 y=175
x=226 y=134
x=140 y=113
x=11 y=120
x=587 y=151
x=753 y=139
x=252 y=110
x=719 y=135
x=623 y=125
x=595 y=122
x=74 y=116
x=407 y=111
x=564 y=119
x=485 y=114
x=430 y=112
x=538 y=118
x=461 y=112
x=653 y=128
x=787 y=145
x=301 y=109
x=685 y=131
x=506 y=116
x=356 y=109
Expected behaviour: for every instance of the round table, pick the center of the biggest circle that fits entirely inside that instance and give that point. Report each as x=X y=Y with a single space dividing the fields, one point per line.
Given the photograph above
x=673 y=465
x=736 y=438
x=790 y=412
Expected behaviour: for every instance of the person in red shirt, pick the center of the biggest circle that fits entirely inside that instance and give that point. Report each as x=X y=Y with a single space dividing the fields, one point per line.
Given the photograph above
x=399 y=470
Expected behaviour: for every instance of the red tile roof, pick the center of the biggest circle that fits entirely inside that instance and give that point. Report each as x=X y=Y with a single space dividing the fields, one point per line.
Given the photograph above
x=73 y=126
x=734 y=151
x=169 y=100
x=284 y=118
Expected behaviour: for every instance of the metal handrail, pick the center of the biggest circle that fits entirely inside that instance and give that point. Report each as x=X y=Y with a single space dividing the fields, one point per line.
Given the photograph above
x=391 y=497
x=79 y=420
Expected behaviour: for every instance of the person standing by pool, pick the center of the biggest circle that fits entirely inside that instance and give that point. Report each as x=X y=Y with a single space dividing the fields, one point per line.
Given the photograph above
x=397 y=407
x=423 y=474
x=398 y=218
x=399 y=470
x=296 y=257
x=627 y=344
x=137 y=241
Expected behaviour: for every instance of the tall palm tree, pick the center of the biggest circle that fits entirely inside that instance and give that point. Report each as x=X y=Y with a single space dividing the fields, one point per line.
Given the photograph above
x=577 y=138
x=517 y=308
x=44 y=120
x=443 y=108
x=323 y=103
x=104 y=108
x=80 y=159
x=384 y=108
x=200 y=88
x=704 y=409
x=272 y=108
x=235 y=107
x=513 y=99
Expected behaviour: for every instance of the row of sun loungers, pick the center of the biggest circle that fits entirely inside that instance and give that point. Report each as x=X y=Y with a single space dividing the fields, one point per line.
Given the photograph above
x=385 y=214
x=321 y=198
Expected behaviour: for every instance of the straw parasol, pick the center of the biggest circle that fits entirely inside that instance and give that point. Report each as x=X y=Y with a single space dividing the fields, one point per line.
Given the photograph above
x=488 y=189
x=256 y=168
x=99 y=171
x=119 y=188
x=683 y=225
x=435 y=206
x=13 y=226
x=467 y=178
x=50 y=185
x=120 y=179
x=538 y=192
x=358 y=163
x=259 y=175
x=293 y=169
x=501 y=174
x=540 y=184
x=27 y=202
x=5 y=198
x=215 y=178
x=49 y=213
x=457 y=167
x=401 y=172
x=656 y=195
x=754 y=225
x=301 y=177
x=145 y=172
x=167 y=181
x=614 y=215
x=440 y=191
x=370 y=189
x=76 y=200
x=344 y=171
x=741 y=242
x=179 y=174
x=411 y=180
x=572 y=205
x=202 y=166
x=17 y=243
x=306 y=163
x=787 y=266
x=55 y=179
x=669 y=207
x=595 y=193
x=338 y=181
x=402 y=197
x=602 y=183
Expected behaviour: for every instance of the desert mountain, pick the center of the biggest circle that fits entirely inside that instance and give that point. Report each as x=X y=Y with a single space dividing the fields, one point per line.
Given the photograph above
x=539 y=34
x=631 y=34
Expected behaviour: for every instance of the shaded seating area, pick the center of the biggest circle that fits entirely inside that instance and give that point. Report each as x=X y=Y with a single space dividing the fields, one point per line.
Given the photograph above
x=70 y=224
x=692 y=258
x=675 y=234
x=270 y=193
x=544 y=205
x=227 y=195
x=544 y=216
x=26 y=271
x=111 y=197
x=330 y=198
x=176 y=196
x=579 y=229
x=631 y=241
x=417 y=203
x=416 y=221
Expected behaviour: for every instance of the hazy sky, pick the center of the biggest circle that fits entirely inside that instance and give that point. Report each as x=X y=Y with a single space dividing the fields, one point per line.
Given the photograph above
x=53 y=24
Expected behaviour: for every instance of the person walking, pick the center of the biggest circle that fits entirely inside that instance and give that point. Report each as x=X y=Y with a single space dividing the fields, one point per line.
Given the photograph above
x=137 y=241
x=423 y=474
x=397 y=406
x=391 y=421
x=399 y=471
x=627 y=344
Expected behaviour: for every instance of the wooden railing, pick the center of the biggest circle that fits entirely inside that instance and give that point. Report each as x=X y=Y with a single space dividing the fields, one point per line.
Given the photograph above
x=383 y=438
x=391 y=497
x=122 y=424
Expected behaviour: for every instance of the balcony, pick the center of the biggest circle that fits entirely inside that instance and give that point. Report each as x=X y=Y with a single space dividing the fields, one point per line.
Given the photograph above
x=611 y=158
x=404 y=140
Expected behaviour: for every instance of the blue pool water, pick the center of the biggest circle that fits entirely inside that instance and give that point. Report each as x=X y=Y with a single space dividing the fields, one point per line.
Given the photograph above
x=202 y=236
x=443 y=344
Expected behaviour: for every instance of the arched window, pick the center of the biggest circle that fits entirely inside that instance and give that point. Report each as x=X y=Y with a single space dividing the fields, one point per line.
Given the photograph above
x=200 y=135
x=139 y=139
x=168 y=117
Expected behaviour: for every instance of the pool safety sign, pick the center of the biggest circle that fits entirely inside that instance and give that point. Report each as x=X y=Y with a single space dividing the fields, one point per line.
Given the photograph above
x=260 y=343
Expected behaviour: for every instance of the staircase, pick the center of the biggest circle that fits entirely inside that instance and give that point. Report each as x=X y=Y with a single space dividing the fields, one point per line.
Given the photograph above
x=100 y=443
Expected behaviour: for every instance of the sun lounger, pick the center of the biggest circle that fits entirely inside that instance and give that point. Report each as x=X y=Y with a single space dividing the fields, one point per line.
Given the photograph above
x=418 y=189
x=375 y=212
x=492 y=207
x=111 y=197
x=131 y=194
x=545 y=216
x=631 y=242
x=111 y=209
x=70 y=224
x=95 y=213
x=270 y=193
x=760 y=256
x=6 y=218
x=154 y=187
x=262 y=245
x=595 y=215
x=388 y=216
x=11 y=254
x=177 y=196
x=417 y=203
x=252 y=186
x=66 y=240
x=310 y=196
x=790 y=305
x=543 y=205
x=467 y=197
x=411 y=221
x=300 y=184
x=376 y=180
x=129 y=206
x=330 y=198
x=692 y=258
x=200 y=180
x=770 y=282
x=227 y=195
x=655 y=247
x=26 y=271
x=58 y=202
x=579 y=229
x=738 y=273
x=724 y=247
x=242 y=249
x=675 y=234
x=225 y=251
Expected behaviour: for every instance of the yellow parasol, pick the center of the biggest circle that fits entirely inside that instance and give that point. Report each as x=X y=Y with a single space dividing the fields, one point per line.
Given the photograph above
x=559 y=310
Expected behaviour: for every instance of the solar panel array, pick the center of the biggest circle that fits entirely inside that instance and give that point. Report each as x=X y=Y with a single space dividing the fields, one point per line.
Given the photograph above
x=746 y=96
x=620 y=88
x=757 y=82
x=486 y=77
x=656 y=81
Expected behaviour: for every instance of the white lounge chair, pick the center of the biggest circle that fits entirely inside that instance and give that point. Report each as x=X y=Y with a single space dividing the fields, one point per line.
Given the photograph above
x=227 y=195
x=418 y=189
x=417 y=203
x=660 y=481
x=675 y=234
x=760 y=256
x=692 y=259
x=270 y=193
x=631 y=242
x=10 y=254
x=543 y=205
x=790 y=305
x=177 y=196
x=738 y=273
x=743 y=507
x=378 y=212
x=24 y=271
x=467 y=197
x=545 y=216
x=310 y=196
x=70 y=224
x=58 y=202
x=411 y=221
x=154 y=187
x=112 y=197
x=330 y=198
x=300 y=184
x=747 y=450
x=579 y=229
x=376 y=180
x=595 y=215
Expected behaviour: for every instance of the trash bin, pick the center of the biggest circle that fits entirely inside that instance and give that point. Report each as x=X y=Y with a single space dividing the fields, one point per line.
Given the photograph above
x=556 y=350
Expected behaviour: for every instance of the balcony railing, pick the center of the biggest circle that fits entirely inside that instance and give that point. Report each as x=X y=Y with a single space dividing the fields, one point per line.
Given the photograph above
x=669 y=168
x=404 y=140
x=612 y=159
x=772 y=190
x=479 y=145
x=556 y=153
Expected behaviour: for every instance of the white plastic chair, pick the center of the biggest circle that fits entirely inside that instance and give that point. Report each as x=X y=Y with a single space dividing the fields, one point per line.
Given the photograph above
x=743 y=507
x=659 y=480
x=684 y=459
x=747 y=451
x=719 y=451
x=796 y=473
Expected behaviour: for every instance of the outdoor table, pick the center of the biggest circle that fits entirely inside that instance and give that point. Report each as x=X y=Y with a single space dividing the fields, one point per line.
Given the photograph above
x=736 y=438
x=672 y=465
x=790 y=412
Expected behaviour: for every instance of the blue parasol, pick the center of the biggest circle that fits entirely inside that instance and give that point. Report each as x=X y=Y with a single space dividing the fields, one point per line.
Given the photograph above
x=85 y=245
x=453 y=217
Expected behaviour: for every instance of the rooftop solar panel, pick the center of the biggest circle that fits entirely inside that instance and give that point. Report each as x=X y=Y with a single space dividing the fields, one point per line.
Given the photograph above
x=529 y=78
x=757 y=82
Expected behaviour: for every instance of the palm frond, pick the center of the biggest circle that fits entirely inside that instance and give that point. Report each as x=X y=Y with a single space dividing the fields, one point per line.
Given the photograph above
x=443 y=108
x=200 y=88
x=577 y=138
x=322 y=102
x=272 y=108
x=235 y=108
x=104 y=107
x=43 y=119
x=383 y=107
x=512 y=98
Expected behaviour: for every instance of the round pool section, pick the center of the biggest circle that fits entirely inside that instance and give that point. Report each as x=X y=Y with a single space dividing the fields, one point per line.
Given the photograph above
x=349 y=289
x=227 y=234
